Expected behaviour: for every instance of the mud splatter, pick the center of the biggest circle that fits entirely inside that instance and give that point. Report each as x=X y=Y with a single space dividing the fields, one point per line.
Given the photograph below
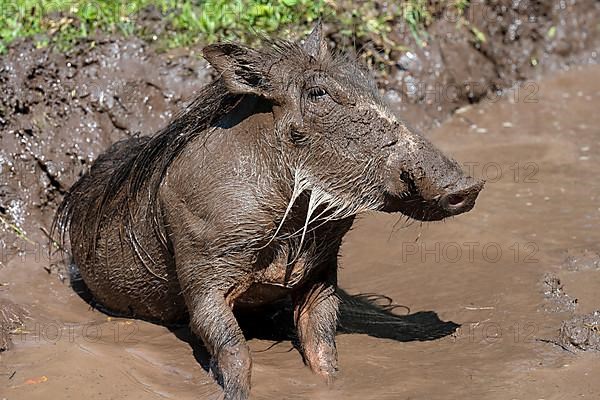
x=557 y=300
x=581 y=332
x=12 y=318
x=582 y=260
x=59 y=111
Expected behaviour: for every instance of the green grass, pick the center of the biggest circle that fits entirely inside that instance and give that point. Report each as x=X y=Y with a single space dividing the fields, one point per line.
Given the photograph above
x=238 y=19
x=62 y=22
x=15 y=229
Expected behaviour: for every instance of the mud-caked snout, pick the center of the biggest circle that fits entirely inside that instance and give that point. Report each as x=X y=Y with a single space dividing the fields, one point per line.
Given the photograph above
x=453 y=200
x=424 y=184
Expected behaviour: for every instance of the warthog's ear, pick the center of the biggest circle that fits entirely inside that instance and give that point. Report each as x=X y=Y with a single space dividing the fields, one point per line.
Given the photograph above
x=241 y=68
x=315 y=44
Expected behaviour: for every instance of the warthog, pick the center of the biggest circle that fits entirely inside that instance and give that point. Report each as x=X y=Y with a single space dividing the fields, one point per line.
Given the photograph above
x=244 y=198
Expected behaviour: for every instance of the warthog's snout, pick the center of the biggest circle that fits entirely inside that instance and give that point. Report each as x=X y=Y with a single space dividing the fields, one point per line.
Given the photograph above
x=425 y=184
x=462 y=198
x=454 y=200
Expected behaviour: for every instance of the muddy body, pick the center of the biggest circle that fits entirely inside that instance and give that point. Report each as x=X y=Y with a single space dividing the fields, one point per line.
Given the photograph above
x=151 y=289
x=245 y=197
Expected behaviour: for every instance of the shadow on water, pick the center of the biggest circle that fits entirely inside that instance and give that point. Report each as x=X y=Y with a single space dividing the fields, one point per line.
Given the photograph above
x=362 y=314
x=369 y=314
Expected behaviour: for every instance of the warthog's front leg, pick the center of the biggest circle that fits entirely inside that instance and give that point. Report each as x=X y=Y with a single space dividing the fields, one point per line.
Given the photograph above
x=315 y=314
x=213 y=321
x=210 y=285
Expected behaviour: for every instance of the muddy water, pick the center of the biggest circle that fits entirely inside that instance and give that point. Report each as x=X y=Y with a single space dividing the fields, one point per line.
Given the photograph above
x=483 y=270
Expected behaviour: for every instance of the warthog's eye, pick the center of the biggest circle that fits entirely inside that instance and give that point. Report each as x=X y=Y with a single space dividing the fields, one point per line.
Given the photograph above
x=316 y=93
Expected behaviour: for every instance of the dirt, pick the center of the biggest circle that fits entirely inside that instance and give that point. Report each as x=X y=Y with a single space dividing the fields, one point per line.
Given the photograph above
x=504 y=346
x=581 y=332
x=59 y=111
x=12 y=319
x=531 y=239
x=519 y=41
x=581 y=260
x=557 y=300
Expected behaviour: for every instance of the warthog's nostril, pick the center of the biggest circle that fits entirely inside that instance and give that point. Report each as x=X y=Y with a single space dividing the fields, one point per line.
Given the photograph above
x=454 y=200
x=460 y=201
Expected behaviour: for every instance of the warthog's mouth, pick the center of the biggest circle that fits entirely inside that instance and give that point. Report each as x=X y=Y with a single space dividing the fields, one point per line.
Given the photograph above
x=452 y=202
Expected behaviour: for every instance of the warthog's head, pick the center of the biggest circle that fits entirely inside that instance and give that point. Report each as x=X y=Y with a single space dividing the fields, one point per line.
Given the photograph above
x=341 y=141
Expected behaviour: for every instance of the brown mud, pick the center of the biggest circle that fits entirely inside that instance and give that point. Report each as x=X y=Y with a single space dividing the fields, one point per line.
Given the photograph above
x=508 y=272
x=58 y=112
x=481 y=270
x=485 y=51
x=581 y=332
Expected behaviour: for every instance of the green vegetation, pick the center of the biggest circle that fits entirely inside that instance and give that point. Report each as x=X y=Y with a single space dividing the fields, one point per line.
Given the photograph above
x=184 y=22
x=15 y=229
x=62 y=22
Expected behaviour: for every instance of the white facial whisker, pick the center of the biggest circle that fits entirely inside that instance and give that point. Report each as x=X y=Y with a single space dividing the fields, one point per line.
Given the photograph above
x=331 y=208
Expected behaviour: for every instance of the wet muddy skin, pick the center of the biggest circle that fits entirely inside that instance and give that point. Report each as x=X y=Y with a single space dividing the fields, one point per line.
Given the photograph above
x=484 y=270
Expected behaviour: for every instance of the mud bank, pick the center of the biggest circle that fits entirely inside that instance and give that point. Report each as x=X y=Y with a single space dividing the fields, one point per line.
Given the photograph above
x=58 y=112
x=492 y=48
